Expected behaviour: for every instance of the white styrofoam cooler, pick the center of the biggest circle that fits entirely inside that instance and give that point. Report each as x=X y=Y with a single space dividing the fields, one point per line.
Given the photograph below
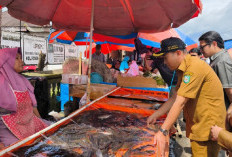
x=74 y=79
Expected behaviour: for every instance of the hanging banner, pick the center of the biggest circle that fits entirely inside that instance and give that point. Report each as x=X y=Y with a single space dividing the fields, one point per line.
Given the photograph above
x=55 y=53
x=32 y=47
x=81 y=50
x=71 y=51
x=10 y=40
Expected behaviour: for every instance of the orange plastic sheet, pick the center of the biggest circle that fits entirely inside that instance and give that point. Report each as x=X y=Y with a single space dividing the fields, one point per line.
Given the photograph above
x=128 y=103
x=97 y=105
x=141 y=94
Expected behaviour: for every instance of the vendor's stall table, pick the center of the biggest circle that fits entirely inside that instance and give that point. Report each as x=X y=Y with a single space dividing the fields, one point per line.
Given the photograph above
x=47 y=87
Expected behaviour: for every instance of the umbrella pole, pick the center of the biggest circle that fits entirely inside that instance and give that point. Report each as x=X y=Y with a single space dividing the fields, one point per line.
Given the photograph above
x=90 y=53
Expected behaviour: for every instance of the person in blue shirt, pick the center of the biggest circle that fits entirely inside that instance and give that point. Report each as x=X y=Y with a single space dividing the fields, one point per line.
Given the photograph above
x=124 y=64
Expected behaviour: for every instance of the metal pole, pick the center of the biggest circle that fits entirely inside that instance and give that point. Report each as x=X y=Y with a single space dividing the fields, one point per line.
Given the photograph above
x=90 y=52
x=20 y=33
x=86 y=47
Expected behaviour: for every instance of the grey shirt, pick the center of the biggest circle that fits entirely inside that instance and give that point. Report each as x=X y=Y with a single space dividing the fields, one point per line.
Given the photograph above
x=221 y=63
x=100 y=57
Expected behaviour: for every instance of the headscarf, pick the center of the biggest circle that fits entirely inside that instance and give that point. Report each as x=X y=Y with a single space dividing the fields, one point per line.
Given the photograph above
x=134 y=69
x=9 y=78
x=124 y=64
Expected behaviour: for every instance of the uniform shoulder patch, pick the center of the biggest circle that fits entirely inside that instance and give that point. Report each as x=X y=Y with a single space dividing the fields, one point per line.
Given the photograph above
x=187 y=77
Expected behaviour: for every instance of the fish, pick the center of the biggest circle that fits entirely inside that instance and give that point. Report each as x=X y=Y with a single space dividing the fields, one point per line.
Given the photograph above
x=108 y=118
x=98 y=133
x=104 y=117
x=42 y=149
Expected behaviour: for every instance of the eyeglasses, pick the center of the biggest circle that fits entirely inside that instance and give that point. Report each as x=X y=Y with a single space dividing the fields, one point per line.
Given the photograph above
x=202 y=47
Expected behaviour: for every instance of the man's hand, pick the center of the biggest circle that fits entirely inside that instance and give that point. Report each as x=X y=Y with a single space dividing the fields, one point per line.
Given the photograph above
x=2 y=146
x=152 y=119
x=161 y=143
x=215 y=132
x=229 y=112
x=229 y=118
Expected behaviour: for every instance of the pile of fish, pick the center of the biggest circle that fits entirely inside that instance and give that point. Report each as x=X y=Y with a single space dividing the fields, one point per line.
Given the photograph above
x=42 y=149
x=98 y=133
x=107 y=118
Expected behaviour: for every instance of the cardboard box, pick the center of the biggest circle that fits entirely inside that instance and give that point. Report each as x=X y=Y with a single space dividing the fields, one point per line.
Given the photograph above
x=137 y=81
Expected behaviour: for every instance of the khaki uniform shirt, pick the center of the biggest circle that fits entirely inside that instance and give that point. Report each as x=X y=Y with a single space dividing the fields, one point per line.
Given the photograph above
x=206 y=106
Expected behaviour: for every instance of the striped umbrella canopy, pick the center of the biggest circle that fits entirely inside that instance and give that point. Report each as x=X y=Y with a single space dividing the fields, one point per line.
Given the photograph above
x=228 y=44
x=81 y=38
x=68 y=37
x=154 y=39
x=125 y=42
x=148 y=39
x=109 y=43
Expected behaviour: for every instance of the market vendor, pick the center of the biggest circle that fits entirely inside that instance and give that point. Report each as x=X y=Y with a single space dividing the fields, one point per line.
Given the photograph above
x=199 y=93
x=98 y=55
x=124 y=64
x=99 y=69
x=19 y=117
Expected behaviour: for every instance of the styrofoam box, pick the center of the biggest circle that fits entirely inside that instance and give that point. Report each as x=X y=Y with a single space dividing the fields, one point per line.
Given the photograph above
x=74 y=79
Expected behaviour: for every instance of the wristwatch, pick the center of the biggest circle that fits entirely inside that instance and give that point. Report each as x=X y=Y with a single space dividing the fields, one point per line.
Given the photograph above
x=165 y=132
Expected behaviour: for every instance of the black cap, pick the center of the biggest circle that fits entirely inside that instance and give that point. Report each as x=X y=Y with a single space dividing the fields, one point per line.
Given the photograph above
x=171 y=44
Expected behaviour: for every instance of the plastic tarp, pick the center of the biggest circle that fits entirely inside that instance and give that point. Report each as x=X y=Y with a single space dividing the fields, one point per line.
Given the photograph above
x=228 y=44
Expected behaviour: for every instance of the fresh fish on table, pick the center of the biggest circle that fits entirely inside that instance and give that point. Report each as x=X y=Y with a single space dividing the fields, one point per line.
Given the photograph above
x=109 y=118
x=98 y=133
x=41 y=148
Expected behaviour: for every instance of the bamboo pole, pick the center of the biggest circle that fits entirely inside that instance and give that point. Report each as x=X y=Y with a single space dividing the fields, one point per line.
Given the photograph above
x=80 y=63
x=90 y=53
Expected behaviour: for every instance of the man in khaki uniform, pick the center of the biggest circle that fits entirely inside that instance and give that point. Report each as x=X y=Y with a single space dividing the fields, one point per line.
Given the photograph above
x=199 y=93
